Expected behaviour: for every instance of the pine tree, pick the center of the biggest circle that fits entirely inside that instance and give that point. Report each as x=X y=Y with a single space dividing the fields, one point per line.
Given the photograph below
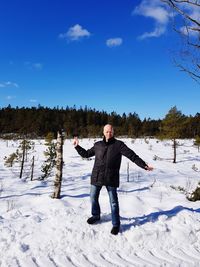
x=20 y=156
x=197 y=142
x=24 y=147
x=50 y=154
x=171 y=127
x=10 y=160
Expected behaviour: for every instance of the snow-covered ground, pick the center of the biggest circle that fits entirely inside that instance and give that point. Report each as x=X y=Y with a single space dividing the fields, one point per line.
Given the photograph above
x=159 y=226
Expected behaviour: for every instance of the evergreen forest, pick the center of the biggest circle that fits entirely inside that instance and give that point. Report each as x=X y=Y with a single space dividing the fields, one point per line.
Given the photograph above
x=38 y=121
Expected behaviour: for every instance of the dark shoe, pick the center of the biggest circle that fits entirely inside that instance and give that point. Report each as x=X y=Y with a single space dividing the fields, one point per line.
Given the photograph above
x=93 y=219
x=115 y=230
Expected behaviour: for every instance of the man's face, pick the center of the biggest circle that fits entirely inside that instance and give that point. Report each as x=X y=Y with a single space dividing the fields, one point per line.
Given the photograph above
x=108 y=132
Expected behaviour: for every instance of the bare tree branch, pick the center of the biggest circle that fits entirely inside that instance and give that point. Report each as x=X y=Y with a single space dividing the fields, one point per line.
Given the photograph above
x=189 y=54
x=172 y=4
x=192 y=74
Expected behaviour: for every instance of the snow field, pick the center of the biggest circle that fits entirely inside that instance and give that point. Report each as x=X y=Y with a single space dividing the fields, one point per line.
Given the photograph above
x=159 y=226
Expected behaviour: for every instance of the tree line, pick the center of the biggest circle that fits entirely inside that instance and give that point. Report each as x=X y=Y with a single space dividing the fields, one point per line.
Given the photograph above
x=86 y=122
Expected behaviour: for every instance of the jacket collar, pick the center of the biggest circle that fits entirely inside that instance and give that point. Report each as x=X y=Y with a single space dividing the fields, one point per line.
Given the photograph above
x=110 y=141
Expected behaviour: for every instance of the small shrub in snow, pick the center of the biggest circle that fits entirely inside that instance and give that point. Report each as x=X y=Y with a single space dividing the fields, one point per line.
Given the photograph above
x=155 y=157
x=10 y=205
x=150 y=147
x=21 y=155
x=197 y=142
x=195 y=195
x=132 y=141
x=179 y=188
x=9 y=161
x=195 y=168
x=50 y=154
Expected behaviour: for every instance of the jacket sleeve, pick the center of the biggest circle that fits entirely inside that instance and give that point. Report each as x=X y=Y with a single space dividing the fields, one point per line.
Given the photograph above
x=130 y=154
x=85 y=153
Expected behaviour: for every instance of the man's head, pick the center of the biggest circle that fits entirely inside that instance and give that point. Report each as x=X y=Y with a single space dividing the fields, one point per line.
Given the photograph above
x=108 y=131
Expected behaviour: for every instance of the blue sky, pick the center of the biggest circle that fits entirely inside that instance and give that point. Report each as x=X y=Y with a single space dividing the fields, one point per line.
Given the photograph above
x=113 y=55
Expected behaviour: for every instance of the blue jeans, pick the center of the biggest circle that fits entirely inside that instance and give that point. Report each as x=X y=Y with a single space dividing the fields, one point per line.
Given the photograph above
x=114 y=204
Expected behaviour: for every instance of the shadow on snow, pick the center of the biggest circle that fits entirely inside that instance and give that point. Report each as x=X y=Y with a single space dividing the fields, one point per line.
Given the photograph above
x=134 y=190
x=153 y=217
x=75 y=196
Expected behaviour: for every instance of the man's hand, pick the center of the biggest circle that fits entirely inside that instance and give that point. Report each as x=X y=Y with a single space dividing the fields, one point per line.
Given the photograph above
x=75 y=141
x=149 y=168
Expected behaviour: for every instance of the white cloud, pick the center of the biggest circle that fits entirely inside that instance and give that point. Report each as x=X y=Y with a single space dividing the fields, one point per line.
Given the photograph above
x=36 y=66
x=156 y=11
x=161 y=15
x=10 y=97
x=8 y=84
x=75 y=33
x=114 y=42
x=158 y=31
x=33 y=100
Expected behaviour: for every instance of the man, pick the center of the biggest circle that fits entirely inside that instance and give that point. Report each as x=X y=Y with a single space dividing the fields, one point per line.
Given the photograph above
x=108 y=154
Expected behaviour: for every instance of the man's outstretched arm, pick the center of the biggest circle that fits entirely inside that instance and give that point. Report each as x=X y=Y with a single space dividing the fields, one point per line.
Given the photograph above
x=81 y=151
x=130 y=154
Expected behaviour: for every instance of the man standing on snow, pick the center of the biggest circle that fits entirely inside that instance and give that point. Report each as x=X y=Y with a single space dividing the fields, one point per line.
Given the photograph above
x=108 y=154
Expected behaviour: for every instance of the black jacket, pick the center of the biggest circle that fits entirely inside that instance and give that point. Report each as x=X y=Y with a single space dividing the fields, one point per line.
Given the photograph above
x=107 y=163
